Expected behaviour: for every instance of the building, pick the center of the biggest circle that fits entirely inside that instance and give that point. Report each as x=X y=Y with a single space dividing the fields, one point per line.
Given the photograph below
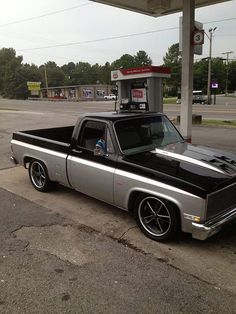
x=77 y=92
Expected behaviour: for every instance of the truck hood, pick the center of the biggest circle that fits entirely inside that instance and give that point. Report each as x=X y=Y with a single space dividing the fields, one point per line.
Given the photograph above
x=203 y=167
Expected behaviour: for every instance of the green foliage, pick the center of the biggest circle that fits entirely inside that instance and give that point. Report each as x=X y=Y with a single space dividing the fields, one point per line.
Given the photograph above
x=218 y=73
x=142 y=59
x=128 y=61
x=55 y=75
x=232 y=76
x=125 y=61
x=173 y=60
x=14 y=74
x=200 y=75
x=9 y=72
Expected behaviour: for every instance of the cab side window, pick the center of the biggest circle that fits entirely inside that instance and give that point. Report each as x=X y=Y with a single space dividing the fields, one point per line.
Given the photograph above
x=92 y=132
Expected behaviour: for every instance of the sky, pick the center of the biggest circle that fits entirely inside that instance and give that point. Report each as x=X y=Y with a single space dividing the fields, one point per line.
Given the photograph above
x=82 y=30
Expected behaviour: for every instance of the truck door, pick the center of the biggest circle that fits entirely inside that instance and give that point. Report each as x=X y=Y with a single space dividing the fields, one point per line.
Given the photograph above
x=88 y=172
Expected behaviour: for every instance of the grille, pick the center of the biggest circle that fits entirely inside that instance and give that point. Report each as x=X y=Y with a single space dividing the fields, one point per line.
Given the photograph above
x=220 y=201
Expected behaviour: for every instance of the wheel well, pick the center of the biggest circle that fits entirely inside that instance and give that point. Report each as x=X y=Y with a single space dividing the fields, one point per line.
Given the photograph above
x=135 y=194
x=27 y=160
x=132 y=199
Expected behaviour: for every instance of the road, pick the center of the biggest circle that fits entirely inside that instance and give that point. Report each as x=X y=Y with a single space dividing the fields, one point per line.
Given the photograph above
x=225 y=108
x=63 y=252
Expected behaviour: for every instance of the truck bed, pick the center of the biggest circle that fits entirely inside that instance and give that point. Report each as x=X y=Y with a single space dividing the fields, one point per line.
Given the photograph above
x=51 y=146
x=57 y=139
x=59 y=134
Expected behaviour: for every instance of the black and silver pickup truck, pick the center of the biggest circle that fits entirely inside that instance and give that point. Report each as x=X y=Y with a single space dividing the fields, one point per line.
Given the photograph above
x=144 y=167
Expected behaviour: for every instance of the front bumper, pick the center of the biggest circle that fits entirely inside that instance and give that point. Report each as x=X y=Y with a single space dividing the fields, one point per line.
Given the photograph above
x=204 y=231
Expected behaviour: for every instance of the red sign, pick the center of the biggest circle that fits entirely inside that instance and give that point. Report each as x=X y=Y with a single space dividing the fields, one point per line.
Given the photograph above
x=147 y=69
x=137 y=93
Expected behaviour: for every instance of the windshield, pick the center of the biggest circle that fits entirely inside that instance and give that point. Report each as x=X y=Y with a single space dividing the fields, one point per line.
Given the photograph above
x=142 y=134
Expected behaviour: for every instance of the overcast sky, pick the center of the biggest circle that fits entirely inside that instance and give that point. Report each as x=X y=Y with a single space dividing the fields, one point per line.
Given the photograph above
x=87 y=23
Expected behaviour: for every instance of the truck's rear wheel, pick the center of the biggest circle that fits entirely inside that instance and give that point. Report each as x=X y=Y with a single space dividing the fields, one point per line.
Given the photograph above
x=39 y=176
x=158 y=220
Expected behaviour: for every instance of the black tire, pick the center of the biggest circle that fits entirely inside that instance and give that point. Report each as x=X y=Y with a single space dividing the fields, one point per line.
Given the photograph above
x=39 y=176
x=157 y=219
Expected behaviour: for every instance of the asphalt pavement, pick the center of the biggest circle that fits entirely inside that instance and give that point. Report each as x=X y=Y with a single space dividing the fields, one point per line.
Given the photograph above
x=63 y=252
x=49 y=264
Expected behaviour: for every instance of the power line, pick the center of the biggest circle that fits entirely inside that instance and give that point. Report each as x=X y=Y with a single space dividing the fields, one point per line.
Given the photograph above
x=100 y=39
x=115 y=37
x=46 y=14
x=218 y=21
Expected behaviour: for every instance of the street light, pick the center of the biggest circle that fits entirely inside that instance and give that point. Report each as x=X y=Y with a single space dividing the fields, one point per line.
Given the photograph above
x=211 y=31
x=227 y=70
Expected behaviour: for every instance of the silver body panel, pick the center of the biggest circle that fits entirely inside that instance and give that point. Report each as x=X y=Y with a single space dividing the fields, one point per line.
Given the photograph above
x=92 y=178
x=54 y=161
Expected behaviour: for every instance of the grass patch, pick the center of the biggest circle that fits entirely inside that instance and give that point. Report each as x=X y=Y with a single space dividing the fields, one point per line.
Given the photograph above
x=224 y=123
x=170 y=100
x=9 y=109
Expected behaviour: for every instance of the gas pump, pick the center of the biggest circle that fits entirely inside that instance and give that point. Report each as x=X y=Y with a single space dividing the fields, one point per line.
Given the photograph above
x=137 y=99
x=141 y=88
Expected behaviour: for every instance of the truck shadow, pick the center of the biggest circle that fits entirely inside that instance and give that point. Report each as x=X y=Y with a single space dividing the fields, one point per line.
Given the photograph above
x=225 y=237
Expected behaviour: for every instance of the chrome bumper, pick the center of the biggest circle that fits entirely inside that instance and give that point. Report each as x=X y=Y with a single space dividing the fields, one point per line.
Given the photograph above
x=204 y=231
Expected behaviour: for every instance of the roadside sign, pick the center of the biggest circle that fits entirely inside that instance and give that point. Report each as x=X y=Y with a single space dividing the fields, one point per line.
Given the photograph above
x=33 y=86
x=214 y=84
x=198 y=37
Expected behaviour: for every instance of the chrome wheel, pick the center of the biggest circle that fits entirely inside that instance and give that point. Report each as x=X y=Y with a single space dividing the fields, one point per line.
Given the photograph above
x=158 y=220
x=38 y=174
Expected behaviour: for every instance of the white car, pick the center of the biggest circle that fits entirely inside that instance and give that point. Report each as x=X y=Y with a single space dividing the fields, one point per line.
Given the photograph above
x=110 y=97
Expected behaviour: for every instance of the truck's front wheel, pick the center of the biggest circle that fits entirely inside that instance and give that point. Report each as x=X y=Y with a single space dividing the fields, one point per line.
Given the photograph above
x=39 y=176
x=157 y=220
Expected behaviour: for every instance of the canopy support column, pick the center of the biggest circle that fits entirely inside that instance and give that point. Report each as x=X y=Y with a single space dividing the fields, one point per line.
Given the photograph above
x=187 y=70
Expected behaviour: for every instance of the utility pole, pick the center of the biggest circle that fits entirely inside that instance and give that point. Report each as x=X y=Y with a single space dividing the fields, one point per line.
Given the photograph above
x=46 y=79
x=227 y=70
x=211 y=31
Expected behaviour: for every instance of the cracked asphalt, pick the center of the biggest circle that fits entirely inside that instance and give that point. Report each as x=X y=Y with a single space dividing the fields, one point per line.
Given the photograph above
x=48 y=264
x=63 y=252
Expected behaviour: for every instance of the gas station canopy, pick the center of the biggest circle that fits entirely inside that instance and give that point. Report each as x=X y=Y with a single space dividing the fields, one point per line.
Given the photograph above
x=156 y=7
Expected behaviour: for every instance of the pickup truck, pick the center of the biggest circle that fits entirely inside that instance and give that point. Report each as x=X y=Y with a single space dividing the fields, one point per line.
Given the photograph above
x=110 y=97
x=145 y=167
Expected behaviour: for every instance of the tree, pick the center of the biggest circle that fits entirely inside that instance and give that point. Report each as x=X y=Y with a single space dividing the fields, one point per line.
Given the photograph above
x=105 y=74
x=200 y=72
x=83 y=73
x=125 y=61
x=55 y=75
x=10 y=65
x=232 y=76
x=142 y=59
x=218 y=73
x=26 y=73
x=95 y=74
x=200 y=75
x=173 y=60
x=69 y=71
